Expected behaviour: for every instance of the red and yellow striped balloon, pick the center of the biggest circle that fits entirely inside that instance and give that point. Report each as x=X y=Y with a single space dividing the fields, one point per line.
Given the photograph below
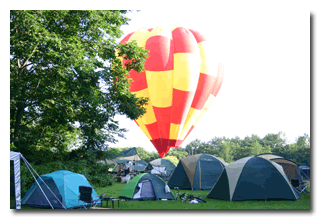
x=180 y=80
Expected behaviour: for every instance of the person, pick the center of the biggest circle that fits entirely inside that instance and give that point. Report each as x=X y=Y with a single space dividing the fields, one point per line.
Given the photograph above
x=128 y=166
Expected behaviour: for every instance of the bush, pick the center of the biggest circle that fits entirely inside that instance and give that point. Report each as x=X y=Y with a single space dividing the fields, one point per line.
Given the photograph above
x=96 y=174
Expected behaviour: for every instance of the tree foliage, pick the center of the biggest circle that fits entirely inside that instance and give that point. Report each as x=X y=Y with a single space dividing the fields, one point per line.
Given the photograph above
x=236 y=148
x=63 y=91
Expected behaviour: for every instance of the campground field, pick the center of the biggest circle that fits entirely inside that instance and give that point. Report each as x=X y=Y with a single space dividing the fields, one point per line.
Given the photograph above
x=116 y=188
x=113 y=191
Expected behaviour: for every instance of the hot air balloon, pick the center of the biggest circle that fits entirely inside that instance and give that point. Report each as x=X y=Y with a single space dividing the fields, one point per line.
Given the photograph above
x=181 y=79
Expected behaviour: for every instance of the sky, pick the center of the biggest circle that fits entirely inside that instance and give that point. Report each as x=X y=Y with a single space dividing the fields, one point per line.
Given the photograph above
x=266 y=57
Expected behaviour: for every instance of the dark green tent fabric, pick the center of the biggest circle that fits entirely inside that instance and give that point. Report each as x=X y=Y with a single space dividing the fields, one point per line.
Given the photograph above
x=253 y=178
x=155 y=188
x=197 y=172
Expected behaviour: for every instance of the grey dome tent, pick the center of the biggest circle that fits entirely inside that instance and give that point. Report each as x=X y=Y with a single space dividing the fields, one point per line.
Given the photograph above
x=162 y=167
x=253 y=178
x=197 y=172
x=146 y=186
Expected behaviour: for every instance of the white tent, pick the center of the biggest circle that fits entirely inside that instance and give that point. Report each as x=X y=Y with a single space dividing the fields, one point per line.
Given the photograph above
x=15 y=158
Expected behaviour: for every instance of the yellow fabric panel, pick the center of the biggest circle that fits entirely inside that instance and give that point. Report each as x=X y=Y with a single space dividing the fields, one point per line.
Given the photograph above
x=160 y=87
x=162 y=31
x=208 y=62
x=140 y=36
x=186 y=71
x=205 y=108
x=143 y=128
x=149 y=117
x=174 y=131
x=193 y=115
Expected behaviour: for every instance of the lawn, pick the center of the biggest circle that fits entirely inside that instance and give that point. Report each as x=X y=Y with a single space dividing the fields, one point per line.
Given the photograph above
x=115 y=189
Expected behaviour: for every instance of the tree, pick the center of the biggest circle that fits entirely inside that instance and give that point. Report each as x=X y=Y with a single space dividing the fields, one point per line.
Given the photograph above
x=192 y=148
x=62 y=86
x=178 y=153
x=172 y=159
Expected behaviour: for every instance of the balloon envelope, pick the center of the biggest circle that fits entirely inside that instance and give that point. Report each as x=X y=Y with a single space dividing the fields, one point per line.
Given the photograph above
x=181 y=79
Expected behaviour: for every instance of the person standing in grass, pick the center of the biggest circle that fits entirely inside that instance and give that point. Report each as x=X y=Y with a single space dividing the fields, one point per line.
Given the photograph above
x=128 y=166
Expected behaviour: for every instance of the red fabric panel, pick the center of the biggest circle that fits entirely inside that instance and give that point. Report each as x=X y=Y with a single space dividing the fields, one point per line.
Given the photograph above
x=184 y=41
x=153 y=130
x=163 y=119
x=217 y=85
x=181 y=102
x=162 y=149
x=203 y=91
x=160 y=54
x=199 y=37
x=218 y=80
x=139 y=81
x=126 y=38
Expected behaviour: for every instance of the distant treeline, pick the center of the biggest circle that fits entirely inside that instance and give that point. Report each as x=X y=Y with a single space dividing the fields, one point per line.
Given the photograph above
x=236 y=148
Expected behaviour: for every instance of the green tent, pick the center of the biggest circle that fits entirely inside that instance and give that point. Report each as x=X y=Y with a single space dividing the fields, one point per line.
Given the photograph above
x=146 y=186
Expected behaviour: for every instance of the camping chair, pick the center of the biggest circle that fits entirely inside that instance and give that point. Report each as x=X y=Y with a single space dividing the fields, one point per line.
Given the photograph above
x=86 y=197
x=299 y=185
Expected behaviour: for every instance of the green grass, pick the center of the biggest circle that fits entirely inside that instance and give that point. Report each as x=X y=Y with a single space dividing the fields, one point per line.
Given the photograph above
x=116 y=188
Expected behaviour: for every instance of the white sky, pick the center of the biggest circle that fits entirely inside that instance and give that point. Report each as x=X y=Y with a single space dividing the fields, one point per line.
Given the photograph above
x=265 y=51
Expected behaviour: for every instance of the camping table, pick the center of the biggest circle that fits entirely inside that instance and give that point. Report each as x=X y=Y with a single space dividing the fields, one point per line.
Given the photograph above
x=110 y=199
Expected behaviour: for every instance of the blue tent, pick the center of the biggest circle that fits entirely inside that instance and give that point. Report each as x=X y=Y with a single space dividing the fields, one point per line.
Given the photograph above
x=63 y=193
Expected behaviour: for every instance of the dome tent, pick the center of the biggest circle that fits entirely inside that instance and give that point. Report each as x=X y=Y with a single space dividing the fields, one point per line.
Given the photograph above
x=146 y=186
x=161 y=167
x=65 y=186
x=197 y=172
x=253 y=178
x=289 y=167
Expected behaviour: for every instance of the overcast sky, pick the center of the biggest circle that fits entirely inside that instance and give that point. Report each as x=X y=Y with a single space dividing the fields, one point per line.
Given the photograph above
x=266 y=55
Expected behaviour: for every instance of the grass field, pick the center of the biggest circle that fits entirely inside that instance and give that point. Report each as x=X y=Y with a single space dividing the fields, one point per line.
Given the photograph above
x=113 y=191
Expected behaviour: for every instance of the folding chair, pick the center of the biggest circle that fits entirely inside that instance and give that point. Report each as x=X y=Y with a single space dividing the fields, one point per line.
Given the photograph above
x=86 y=197
x=299 y=185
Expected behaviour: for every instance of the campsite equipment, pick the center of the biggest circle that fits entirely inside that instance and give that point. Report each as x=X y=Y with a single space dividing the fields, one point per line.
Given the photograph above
x=197 y=172
x=146 y=186
x=63 y=190
x=289 y=167
x=188 y=198
x=123 y=157
x=180 y=79
x=162 y=167
x=253 y=178
x=301 y=187
x=86 y=197
x=304 y=172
